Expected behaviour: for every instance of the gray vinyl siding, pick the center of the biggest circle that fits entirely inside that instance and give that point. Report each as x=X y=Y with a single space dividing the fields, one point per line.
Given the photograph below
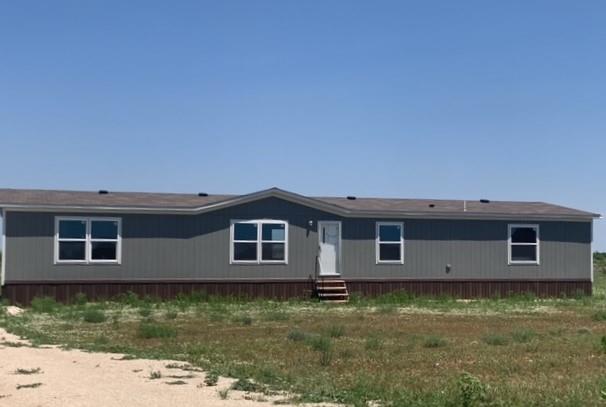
x=188 y=247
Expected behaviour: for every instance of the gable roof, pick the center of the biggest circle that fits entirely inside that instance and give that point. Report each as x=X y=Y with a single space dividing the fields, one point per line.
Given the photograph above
x=36 y=199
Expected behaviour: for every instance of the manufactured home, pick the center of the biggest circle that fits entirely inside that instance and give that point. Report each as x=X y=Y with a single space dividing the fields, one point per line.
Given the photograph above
x=279 y=244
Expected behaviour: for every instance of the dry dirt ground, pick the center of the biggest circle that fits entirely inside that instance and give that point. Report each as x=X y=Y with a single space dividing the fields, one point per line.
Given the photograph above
x=74 y=378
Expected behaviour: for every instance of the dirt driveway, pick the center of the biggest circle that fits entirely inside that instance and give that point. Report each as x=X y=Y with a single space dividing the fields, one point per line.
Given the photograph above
x=50 y=376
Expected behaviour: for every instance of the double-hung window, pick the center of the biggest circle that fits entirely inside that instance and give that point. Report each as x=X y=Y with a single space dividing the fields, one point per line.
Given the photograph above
x=390 y=243
x=71 y=240
x=87 y=240
x=523 y=244
x=259 y=241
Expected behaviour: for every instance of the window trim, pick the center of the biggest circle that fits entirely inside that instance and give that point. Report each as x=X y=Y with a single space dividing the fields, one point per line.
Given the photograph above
x=259 y=241
x=88 y=240
x=378 y=243
x=537 y=243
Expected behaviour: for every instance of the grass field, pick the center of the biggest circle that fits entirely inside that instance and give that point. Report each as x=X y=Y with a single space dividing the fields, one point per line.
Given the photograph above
x=394 y=350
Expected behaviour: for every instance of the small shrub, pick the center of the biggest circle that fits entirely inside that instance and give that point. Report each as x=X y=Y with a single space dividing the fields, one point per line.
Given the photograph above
x=603 y=344
x=472 y=391
x=212 y=378
x=434 y=342
x=247 y=385
x=45 y=305
x=600 y=315
x=155 y=374
x=523 y=335
x=297 y=336
x=80 y=299
x=223 y=394
x=336 y=331
x=93 y=316
x=495 y=340
x=150 y=330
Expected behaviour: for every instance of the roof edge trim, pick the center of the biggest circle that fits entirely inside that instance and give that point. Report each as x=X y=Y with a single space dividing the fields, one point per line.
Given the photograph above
x=295 y=198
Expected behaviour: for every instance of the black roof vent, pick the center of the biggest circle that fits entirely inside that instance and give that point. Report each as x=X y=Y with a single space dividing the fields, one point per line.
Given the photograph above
x=351 y=198
x=432 y=205
x=485 y=200
x=202 y=194
x=103 y=192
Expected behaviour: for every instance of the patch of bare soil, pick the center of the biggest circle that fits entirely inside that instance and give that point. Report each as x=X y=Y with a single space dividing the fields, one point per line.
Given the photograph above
x=51 y=376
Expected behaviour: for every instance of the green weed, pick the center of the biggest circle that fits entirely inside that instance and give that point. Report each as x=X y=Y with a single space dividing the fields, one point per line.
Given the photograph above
x=93 y=316
x=523 y=335
x=45 y=305
x=495 y=340
x=80 y=299
x=150 y=330
x=336 y=331
x=434 y=342
x=247 y=385
x=373 y=343
x=211 y=379
x=472 y=392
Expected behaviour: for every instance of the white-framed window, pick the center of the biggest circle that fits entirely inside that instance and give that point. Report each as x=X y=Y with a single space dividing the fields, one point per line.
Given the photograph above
x=390 y=243
x=86 y=240
x=259 y=241
x=523 y=244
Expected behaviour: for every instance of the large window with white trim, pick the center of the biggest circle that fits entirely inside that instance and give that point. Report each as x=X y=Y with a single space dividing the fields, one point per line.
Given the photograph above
x=390 y=242
x=87 y=240
x=523 y=244
x=259 y=241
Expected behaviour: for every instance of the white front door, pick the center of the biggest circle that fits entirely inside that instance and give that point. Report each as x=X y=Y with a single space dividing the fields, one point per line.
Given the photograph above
x=330 y=247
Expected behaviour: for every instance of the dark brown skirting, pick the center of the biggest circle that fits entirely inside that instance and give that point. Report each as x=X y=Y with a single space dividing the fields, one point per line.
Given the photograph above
x=23 y=292
x=473 y=288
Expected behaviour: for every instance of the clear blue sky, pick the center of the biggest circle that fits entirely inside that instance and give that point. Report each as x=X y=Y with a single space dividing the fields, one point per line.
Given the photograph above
x=466 y=99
